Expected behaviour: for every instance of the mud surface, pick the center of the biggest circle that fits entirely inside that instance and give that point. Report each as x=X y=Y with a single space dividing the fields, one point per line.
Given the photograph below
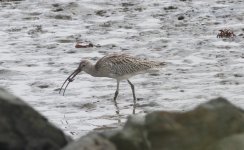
x=37 y=46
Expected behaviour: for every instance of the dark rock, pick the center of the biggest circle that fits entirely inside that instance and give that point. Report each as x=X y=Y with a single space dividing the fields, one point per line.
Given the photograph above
x=91 y=142
x=23 y=128
x=181 y=17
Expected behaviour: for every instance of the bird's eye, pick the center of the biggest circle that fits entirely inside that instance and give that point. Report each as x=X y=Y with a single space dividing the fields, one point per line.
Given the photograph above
x=83 y=65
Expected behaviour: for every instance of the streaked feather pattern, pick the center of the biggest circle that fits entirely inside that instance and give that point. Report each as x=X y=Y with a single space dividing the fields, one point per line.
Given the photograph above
x=123 y=64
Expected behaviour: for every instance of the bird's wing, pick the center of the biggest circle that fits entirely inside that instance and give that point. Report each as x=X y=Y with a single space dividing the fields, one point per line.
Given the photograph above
x=122 y=64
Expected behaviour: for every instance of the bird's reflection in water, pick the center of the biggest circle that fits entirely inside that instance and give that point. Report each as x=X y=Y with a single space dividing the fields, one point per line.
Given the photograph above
x=117 y=110
x=134 y=107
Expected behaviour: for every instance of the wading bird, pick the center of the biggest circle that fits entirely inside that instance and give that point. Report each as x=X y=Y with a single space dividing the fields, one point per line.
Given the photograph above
x=116 y=66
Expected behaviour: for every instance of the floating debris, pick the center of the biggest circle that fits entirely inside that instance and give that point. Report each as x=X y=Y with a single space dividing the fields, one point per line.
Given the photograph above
x=83 y=45
x=226 y=33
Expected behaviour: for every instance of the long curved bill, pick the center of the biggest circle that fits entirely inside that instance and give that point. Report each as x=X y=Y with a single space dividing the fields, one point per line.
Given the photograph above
x=69 y=79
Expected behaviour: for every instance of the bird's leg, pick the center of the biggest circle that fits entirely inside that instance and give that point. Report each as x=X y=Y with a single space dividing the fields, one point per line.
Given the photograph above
x=133 y=90
x=117 y=91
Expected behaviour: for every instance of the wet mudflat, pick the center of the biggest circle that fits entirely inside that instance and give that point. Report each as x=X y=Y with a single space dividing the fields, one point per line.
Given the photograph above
x=37 y=53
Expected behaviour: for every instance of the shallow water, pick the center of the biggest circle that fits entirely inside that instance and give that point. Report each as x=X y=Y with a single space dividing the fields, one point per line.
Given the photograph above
x=37 y=45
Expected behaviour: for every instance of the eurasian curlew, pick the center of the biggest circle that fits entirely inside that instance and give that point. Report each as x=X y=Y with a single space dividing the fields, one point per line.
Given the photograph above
x=116 y=66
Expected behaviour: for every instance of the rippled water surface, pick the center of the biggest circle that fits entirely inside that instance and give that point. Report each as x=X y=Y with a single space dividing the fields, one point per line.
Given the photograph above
x=37 y=47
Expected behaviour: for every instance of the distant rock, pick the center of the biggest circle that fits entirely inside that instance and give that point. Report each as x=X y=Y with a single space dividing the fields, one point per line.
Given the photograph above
x=23 y=128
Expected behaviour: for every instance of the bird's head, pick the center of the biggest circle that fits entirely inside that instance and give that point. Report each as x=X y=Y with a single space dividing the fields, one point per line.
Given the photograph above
x=83 y=66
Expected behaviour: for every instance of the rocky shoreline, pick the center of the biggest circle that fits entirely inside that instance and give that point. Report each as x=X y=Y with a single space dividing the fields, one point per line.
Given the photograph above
x=215 y=125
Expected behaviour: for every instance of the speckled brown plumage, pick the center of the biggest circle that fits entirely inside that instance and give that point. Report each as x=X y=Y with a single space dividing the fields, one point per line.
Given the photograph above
x=122 y=64
x=117 y=66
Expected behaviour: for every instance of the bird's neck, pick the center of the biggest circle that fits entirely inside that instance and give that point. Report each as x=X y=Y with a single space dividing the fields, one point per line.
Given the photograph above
x=91 y=70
